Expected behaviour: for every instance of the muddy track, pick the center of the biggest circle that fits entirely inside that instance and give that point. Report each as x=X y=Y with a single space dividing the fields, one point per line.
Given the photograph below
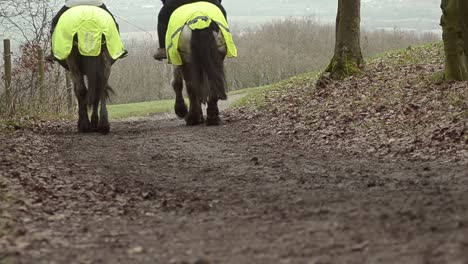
x=156 y=191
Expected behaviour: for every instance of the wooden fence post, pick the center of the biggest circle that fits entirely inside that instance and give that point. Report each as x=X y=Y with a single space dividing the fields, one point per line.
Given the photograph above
x=7 y=59
x=69 y=89
x=41 y=70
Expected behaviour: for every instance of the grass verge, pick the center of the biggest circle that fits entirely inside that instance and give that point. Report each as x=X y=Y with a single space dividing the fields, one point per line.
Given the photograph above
x=122 y=111
x=256 y=97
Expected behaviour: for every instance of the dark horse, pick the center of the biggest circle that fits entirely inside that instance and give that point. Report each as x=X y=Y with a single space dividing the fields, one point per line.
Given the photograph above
x=87 y=42
x=97 y=71
x=203 y=52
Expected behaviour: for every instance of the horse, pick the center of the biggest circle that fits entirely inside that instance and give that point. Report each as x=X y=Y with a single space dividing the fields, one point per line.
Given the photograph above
x=198 y=42
x=97 y=70
x=202 y=52
x=87 y=43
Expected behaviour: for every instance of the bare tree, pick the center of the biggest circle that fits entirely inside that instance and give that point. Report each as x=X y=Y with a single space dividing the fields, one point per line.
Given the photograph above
x=28 y=23
x=29 y=20
x=347 y=58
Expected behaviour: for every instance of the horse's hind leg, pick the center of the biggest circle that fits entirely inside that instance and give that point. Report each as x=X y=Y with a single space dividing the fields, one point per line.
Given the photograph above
x=94 y=116
x=104 y=126
x=195 y=114
x=178 y=85
x=81 y=93
x=212 y=112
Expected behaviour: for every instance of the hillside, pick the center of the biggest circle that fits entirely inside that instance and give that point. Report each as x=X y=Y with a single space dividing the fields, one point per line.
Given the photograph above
x=396 y=109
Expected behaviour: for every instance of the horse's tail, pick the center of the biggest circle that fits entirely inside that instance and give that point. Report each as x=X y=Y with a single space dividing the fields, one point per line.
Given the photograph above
x=207 y=63
x=98 y=71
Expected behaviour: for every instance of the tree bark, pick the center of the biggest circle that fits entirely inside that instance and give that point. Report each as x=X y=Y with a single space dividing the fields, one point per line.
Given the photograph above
x=453 y=27
x=463 y=9
x=347 y=59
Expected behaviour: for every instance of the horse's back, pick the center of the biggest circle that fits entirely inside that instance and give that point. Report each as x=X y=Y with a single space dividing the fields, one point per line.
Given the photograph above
x=184 y=45
x=90 y=24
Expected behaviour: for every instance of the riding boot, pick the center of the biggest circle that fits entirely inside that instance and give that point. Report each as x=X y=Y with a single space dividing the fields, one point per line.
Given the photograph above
x=160 y=54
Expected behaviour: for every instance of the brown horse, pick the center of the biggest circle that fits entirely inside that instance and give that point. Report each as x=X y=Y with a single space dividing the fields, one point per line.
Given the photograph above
x=203 y=52
x=97 y=71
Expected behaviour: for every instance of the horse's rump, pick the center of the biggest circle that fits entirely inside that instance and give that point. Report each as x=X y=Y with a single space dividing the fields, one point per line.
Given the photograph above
x=196 y=16
x=207 y=62
x=97 y=70
x=88 y=26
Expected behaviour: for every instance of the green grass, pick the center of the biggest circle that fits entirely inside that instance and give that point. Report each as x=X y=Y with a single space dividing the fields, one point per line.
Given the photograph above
x=122 y=111
x=256 y=97
x=248 y=90
x=384 y=54
x=253 y=96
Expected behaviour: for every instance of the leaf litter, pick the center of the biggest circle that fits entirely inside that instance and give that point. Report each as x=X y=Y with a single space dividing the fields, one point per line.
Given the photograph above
x=55 y=206
x=398 y=108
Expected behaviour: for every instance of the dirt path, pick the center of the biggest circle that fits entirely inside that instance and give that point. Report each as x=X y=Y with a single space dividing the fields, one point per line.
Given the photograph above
x=156 y=191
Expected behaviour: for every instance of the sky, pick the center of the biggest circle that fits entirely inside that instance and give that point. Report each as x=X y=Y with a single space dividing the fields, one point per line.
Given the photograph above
x=138 y=15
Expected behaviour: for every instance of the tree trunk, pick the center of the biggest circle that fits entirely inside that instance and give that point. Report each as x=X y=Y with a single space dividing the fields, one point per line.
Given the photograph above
x=347 y=59
x=463 y=8
x=452 y=22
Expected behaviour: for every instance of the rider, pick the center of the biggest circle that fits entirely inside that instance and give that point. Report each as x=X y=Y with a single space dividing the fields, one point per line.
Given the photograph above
x=169 y=6
x=71 y=3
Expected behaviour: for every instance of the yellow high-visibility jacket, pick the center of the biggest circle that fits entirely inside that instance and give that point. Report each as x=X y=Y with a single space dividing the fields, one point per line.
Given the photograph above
x=197 y=16
x=89 y=23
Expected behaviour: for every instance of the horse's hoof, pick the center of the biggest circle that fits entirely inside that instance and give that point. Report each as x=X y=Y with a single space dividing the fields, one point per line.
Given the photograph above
x=181 y=110
x=84 y=127
x=103 y=129
x=94 y=125
x=193 y=121
x=93 y=128
x=213 y=121
x=83 y=130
